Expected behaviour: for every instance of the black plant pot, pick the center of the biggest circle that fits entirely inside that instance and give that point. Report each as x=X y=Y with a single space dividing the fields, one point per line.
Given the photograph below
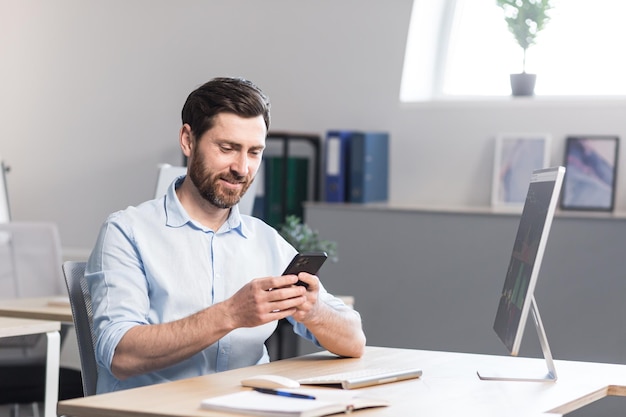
x=523 y=84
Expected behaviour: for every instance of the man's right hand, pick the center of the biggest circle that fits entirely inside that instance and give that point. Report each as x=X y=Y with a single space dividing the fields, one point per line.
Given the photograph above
x=263 y=300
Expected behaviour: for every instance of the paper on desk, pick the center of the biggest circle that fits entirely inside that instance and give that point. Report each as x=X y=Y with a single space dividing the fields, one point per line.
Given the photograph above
x=259 y=404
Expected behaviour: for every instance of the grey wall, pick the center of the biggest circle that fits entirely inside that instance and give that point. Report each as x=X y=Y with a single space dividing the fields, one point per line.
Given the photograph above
x=91 y=91
x=432 y=280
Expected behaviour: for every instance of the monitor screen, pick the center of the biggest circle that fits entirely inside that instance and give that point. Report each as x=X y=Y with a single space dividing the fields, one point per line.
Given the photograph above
x=521 y=276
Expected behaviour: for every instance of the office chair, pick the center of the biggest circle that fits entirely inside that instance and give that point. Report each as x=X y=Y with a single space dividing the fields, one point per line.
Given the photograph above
x=30 y=266
x=80 y=301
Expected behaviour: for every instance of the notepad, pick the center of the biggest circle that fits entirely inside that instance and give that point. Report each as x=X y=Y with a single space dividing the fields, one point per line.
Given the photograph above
x=327 y=402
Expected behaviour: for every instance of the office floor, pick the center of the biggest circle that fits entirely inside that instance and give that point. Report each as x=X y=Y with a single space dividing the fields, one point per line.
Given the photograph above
x=25 y=410
x=606 y=407
x=70 y=386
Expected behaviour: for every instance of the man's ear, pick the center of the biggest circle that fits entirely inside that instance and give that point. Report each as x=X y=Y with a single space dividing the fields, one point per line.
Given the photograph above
x=185 y=138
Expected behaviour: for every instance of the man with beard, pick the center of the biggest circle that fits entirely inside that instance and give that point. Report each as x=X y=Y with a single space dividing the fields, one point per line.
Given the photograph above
x=184 y=285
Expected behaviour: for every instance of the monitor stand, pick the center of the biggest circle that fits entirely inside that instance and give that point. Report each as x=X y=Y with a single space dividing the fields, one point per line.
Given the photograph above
x=528 y=374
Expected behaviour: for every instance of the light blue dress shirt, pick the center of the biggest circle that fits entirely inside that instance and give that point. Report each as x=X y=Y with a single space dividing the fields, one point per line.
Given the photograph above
x=153 y=264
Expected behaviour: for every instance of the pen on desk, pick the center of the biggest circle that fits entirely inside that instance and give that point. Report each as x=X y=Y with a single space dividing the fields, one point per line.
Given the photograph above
x=284 y=393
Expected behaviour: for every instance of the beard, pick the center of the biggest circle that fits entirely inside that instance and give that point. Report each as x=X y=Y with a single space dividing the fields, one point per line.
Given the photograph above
x=209 y=187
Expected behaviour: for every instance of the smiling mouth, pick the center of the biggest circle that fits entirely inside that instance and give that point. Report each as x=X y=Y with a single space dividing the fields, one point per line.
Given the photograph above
x=233 y=184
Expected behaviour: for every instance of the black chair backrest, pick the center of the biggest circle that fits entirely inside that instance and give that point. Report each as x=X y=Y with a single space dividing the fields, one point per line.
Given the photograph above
x=80 y=301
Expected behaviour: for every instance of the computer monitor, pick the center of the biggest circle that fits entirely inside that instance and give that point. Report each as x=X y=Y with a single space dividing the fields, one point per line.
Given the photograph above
x=517 y=299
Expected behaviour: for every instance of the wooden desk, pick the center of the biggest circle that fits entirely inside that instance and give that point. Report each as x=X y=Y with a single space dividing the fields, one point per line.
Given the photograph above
x=39 y=308
x=449 y=386
x=10 y=326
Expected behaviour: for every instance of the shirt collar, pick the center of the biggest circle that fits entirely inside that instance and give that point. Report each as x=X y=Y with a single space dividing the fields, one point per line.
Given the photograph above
x=176 y=215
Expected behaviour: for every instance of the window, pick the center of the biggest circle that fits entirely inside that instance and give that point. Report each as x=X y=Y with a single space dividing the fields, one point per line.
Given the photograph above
x=463 y=48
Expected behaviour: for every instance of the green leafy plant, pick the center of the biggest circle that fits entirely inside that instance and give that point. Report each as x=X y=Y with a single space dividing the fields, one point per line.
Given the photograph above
x=525 y=18
x=304 y=239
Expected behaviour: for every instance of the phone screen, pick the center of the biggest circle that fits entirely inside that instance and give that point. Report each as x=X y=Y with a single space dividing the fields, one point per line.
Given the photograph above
x=309 y=262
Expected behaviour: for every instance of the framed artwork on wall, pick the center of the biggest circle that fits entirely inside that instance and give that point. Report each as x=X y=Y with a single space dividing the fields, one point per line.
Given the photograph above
x=517 y=155
x=591 y=172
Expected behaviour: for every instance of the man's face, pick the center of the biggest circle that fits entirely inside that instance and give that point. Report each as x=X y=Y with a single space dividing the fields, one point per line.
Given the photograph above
x=226 y=158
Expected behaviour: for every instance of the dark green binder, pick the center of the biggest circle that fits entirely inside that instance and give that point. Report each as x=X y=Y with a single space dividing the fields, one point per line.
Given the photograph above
x=286 y=188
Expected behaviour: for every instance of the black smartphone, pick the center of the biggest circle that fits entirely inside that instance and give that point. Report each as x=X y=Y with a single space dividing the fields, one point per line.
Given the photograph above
x=309 y=262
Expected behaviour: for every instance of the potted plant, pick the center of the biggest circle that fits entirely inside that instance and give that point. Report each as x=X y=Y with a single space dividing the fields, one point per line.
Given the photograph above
x=305 y=239
x=525 y=19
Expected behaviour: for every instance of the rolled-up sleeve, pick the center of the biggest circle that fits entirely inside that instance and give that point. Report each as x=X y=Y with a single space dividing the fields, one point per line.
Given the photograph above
x=118 y=289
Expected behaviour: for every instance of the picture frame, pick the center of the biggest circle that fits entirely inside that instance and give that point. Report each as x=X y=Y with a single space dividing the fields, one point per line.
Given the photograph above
x=591 y=173
x=517 y=155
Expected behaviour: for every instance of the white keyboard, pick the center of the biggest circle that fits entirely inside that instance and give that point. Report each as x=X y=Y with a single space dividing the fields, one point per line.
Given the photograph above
x=363 y=377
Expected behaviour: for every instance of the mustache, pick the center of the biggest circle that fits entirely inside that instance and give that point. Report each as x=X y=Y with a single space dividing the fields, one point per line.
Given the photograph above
x=234 y=178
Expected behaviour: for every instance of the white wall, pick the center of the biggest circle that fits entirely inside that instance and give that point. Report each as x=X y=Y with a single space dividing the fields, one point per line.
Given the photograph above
x=91 y=92
x=443 y=153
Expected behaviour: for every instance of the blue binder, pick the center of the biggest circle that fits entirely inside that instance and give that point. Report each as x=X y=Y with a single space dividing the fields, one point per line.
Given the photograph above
x=337 y=166
x=369 y=167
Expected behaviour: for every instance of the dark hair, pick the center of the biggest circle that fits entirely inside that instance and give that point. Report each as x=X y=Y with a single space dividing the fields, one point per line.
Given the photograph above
x=224 y=95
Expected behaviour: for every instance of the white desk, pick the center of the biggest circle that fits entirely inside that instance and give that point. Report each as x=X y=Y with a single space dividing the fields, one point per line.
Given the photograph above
x=448 y=387
x=39 y=308
x=55 y=308
x=10 y=326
